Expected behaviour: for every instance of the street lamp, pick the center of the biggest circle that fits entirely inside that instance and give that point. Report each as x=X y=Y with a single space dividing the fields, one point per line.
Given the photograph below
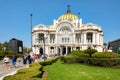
x=31 y=28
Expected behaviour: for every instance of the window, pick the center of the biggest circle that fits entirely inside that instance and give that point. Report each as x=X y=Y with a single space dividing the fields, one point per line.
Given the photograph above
x=40 y=38
x=65 y=29
x=89 y=37
x=52 y=38
x=65 y=40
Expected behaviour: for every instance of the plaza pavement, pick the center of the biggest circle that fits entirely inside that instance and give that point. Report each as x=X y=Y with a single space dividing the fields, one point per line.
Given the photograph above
x=12 y=70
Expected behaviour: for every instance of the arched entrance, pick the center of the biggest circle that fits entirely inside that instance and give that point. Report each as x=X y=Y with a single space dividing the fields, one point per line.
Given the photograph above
x=69 y=49
x=41 y=51
x=77 y=48
x=52 y=50
x=63 y=50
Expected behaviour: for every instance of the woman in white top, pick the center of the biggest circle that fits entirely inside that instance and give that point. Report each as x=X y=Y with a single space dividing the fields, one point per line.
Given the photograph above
x=6 y=62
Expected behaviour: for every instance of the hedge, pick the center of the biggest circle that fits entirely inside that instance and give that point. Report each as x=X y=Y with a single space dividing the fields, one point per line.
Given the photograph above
x=104 y=62
x=48 y=61
x=78 y=53
x=105 y=55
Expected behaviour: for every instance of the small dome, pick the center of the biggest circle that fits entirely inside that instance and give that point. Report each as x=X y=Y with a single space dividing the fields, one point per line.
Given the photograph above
x=68 y=16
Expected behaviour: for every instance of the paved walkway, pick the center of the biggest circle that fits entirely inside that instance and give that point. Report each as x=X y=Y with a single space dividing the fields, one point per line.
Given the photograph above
x=12 y=69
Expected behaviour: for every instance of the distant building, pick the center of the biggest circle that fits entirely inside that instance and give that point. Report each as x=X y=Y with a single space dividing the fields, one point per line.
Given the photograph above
x=114 y=45
x=16 y=45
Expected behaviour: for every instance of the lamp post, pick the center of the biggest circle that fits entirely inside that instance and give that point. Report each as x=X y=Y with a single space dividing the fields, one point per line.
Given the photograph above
x=31 y=28
x=79 y=39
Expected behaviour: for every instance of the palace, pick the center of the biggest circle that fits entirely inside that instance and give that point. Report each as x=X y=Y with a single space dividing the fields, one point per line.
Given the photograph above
x=67 y=33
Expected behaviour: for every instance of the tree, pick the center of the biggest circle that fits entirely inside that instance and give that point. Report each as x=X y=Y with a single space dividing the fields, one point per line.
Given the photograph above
x=105 y=49
x=26 y=49
x=1 y=46
x=105 y=44
x=90 y=51
x=6 y=45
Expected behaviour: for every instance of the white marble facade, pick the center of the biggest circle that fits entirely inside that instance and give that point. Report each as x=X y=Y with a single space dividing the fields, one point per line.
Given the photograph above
x=67 y=33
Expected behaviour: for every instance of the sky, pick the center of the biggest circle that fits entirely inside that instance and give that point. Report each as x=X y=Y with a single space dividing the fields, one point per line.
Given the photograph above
x=15 y=16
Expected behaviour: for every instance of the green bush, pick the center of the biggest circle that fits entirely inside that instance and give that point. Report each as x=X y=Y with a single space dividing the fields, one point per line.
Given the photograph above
x=78 y=53
x=104 y=62
x=90 y=51
x=70 y=59
x=105 y=55
x=48 y=61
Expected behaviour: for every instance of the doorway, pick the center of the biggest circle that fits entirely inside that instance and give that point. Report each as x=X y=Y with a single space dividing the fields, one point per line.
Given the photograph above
x=69 y=49
x=41 y=51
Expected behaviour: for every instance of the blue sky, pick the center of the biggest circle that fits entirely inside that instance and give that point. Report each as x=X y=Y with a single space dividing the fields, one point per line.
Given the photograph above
x=15 y=18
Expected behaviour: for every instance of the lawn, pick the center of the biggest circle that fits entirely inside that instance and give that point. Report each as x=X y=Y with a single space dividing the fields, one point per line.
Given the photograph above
x=60 y=71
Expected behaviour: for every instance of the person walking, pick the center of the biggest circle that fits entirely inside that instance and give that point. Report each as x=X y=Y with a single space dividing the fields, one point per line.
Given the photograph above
x=29 y=59
x=35 y=57
x=19 y=60
x=14 y=60
x=24 y=59
x=7 y=63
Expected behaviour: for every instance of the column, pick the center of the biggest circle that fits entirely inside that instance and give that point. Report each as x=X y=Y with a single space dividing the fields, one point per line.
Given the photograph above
x=73 y=39
x=61 y=50
x=101 y=40
x=33 y=49
x=52 y=50
x=55 y=38
x=36 y=39
x=45 y=38
x=97 y=38
x=46 y=50
x=74 y=47
x=71 y=48
x=49 y=50
x=48 y=41
x=84 y=38
x=56 y=52
x=66 y=50
x=93 y=38
x=33 y=41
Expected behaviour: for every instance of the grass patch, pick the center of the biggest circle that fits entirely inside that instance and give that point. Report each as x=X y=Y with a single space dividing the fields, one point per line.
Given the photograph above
x=60 y=71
